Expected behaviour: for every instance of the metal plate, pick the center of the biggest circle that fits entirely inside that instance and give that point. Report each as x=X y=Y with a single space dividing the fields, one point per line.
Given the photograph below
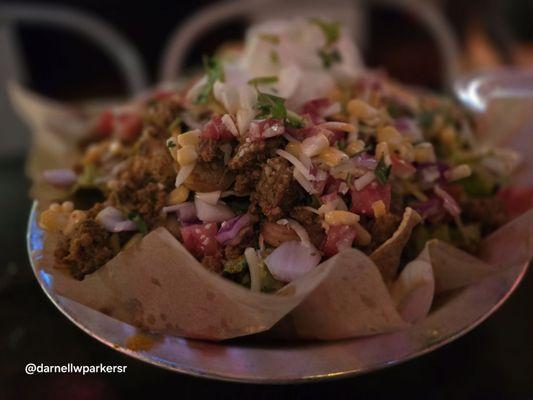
x=259 y=360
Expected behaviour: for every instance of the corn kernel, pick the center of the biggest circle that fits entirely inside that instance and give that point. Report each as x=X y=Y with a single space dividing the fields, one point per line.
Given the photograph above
x=361 y=110
x=178 y=195
x=379 y=208
x=115 y=147
x=313 y=145
x=382 y=150
x=67 y=206
x=354 y=135
x=339 y=217
x=355 y=147
x=424 y=153
x=332 y=156
x=406 y=151
x=92 y=154
x=53 y=221
x=448 y=136
x=74 y=218
x=191 y=138
x=459 y=172
x=294 y=148
x=390 y=135
x=186 y=155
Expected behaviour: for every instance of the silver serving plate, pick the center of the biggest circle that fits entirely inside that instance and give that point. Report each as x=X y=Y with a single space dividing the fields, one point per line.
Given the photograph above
x=255 y=359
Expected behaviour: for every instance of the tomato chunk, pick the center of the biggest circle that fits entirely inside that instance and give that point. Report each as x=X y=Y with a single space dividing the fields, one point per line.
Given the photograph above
x=338 y=238
x=516 y=200
x=216 y=130
x=362 y=200
x=315 y=109
x=200 y=239
x=401 y=168
x=128 y=125
x=105 y=123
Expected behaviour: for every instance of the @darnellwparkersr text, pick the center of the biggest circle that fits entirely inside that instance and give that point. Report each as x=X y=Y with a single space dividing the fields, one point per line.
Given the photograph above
x=71 y=368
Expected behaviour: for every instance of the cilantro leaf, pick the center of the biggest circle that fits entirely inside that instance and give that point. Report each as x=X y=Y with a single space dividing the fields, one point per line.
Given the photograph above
x=139 y=221
x=271 y=106
x=215 y=72
x=329 y=57
x=293 y=120
x=171 y=143
x=382 y=171
x=331 y=30
x=235 y=266
x=263 y=80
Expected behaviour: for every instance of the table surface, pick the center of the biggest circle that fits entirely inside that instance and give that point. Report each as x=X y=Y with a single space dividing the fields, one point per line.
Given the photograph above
x=494 y=361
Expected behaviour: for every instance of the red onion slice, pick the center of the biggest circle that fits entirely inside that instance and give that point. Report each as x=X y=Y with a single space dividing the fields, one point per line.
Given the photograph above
x=229 y=229
x=60 y=177
x=113 y=220
x=449 y=202
x=292 y=260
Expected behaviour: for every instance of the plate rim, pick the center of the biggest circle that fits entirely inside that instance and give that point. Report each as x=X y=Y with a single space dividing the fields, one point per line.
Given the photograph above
x=262 y=380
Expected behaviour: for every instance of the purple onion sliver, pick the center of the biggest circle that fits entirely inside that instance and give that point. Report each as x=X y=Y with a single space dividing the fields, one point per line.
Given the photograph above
x=60 y=177
x=229 y=229
x=125 y=226
x=187 y=212
x=403 y=124
x=365 y=160
x=427 y=208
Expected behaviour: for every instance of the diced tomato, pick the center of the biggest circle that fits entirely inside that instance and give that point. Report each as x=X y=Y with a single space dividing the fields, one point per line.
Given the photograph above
x=401 y=168
x=216 y=130
x=315 y=109
x=128 y=125
x=338 y=238
x=200 y=239
x=105 y=123
x=516 y=200
x=362 y=200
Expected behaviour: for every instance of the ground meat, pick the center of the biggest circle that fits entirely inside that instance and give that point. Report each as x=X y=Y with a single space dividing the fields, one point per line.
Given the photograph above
x=86 y=249
x=489 y=211
x=381 y=229
x=210 y=149
x=275 y=193
x=246 y=181
x=144 y=186
x=311 y=222
x=245 y=238
x=254 y=153
x=160 y=115
x=213 y=263
x=209 y=177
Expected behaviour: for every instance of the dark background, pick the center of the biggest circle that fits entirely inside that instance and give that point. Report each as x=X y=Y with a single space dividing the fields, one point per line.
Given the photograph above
x=494 y=361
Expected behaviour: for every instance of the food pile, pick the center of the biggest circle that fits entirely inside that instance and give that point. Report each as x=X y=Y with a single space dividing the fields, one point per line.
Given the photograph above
x=276 y=159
